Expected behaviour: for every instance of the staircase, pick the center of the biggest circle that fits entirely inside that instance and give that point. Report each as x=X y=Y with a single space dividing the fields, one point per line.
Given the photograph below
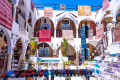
x=100 y=47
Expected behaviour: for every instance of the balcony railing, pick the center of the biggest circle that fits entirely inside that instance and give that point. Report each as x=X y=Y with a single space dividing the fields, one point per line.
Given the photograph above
x=100 y=48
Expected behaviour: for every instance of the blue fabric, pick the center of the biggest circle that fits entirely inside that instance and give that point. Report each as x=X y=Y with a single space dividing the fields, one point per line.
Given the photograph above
x=43 y=52
x=63 y=72
x=71 y=72
x=45 y=25
x=46 y=73
x=65 y=27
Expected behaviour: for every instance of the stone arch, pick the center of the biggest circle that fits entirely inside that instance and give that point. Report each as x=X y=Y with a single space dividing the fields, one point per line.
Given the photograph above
x=37 y=26
x=68 y=15
x=88 y=24
x=8 y=39
x=45 y=48
x=59 y=27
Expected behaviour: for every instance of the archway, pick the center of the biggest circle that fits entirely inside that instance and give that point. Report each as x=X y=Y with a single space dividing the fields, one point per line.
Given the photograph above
x=45 y=50
x=43 y=23
x=71 y=54
x=16 y=57
x=3 y=51
x=65 y=24
x=86 y=25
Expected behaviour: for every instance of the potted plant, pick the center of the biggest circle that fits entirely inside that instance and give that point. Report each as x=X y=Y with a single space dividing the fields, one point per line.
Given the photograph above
x=64 y=47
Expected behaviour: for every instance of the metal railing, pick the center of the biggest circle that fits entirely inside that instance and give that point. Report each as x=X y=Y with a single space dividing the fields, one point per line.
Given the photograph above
x=68 y=7
x=100 y=48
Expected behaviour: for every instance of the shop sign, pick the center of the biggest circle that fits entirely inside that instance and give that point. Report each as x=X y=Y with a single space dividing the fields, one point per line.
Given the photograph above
x=105 y=4
x=45 y=35
x=6 y=14
x=117 y=33
x=99 y=31
x=21 y=23
x=62 y=6
x=48 y=11
x=84 y=10
x=91 y=34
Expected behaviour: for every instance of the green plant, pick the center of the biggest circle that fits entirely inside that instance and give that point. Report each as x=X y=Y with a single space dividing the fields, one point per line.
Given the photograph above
x=64 y=47
x=65 y=63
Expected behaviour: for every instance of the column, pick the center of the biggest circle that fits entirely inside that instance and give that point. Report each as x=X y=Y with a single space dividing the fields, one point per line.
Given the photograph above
x=9 y=62
x=76 y=32
x=55 y=32
x=14 y=12
x=26 y=25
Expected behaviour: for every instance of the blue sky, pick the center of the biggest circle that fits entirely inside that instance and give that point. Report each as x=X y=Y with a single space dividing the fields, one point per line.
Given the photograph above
x=69 y=2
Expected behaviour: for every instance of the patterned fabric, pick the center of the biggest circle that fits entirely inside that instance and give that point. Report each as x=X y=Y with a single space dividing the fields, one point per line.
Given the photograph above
x=2 y=41
x=105 y=4
x=33 y=47
x=99 y=31
x=62 y=7
x=117 y=33
x=48 y=11
x=44 y=35
x=21 y=22
x=84 y=10
x=91 y=34
x=6 y=14
x=65 y=27
x=68 y=34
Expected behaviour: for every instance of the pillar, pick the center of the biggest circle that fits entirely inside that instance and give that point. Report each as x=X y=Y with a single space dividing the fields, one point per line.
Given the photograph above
x=55 y=32
x=26 y=25
x=9 y=62
x=14 y=12
x=76 y=32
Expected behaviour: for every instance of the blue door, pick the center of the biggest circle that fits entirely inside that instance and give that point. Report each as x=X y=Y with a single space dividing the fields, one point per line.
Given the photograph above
x=82 y=55
x=43 y=52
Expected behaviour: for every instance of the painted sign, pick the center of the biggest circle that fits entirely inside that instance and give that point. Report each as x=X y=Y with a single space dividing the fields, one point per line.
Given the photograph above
x=91 y=34
x=6 y=14
x=117 y=33
x=33 y=48
x=62 y=6
x=84 y=10
x=21 y=23
x=99 y=31
x=105 y=4
x=48 y=11
x=45 y=35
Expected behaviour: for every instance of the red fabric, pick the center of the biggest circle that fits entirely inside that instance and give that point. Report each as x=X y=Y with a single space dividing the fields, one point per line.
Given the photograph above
x=81 y=72
x=23 y=74
x=92 y=24
x=6 y=14
x=45 y=35
x=41 y=74
x=99 y=31
x=32 y=6
x=105 y=4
